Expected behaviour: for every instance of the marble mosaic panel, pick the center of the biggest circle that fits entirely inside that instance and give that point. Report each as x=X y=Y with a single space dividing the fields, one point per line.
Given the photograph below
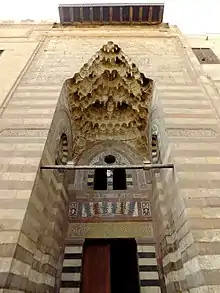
x=73 y=209
x=145 y=208
x=109 y=209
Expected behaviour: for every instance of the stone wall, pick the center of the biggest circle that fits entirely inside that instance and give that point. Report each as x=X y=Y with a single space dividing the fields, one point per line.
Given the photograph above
x=51 y=213
x=35 y=256
x=187 y=118
x=186 y=199
x=208 y=41
x=18 y=53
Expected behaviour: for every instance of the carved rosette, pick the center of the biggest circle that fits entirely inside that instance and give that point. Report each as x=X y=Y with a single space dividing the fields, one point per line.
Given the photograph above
x=109 y=99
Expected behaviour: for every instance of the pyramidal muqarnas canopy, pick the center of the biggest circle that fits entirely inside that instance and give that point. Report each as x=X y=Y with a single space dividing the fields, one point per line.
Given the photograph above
x=109 y=99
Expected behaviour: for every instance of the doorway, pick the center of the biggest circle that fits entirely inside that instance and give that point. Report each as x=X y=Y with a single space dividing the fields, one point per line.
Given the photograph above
x=110 y=266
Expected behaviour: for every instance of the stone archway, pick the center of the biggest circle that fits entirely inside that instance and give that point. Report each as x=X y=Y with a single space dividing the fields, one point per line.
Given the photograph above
x=109 y=101
x=124 y=155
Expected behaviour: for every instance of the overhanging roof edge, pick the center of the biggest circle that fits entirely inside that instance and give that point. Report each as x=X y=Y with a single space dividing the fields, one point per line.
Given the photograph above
x=105 y=13
x=111 y=4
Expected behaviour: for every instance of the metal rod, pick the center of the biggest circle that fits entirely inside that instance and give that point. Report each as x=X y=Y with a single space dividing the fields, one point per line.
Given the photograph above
x=92 y=167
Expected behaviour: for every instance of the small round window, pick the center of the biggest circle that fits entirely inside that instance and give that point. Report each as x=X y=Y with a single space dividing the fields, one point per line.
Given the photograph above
x=110 y=159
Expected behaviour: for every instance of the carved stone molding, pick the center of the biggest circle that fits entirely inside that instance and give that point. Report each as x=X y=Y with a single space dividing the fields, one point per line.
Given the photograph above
x=110 y=99
x=24 y=132
x=110 y=230
x=62 y=150
x=190 y=132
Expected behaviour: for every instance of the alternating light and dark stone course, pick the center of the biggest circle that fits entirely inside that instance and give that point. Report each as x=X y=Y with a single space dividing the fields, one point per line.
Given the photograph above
x=148 y=268
x=72 y=269
x=34 y=203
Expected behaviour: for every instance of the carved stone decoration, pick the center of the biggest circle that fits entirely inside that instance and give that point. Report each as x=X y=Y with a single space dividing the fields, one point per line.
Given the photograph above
x=62 y=150
x=190 y=132
x=109 y=209
x=109 y=99
x=110 y=230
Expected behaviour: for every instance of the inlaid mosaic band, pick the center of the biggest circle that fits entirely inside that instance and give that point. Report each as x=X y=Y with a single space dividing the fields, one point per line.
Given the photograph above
x=109 y=209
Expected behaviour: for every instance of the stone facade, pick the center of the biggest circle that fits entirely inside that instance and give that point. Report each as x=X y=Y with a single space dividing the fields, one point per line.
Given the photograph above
x=34 y=203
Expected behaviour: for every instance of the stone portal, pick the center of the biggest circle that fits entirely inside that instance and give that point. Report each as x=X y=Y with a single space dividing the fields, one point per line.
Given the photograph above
x=109 y=101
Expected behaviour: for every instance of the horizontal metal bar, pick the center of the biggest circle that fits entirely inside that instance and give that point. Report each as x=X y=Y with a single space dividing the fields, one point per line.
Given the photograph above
x=92 y=167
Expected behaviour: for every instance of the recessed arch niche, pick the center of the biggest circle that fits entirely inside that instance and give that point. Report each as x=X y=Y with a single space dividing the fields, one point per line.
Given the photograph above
x=110 y=99
x=123 y=154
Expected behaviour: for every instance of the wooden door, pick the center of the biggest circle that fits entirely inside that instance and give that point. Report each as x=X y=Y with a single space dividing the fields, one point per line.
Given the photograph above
x=96 y=268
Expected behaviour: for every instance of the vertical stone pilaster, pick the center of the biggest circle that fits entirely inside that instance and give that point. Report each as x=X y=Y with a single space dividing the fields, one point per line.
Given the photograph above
x=148 y=268
x=72 y=268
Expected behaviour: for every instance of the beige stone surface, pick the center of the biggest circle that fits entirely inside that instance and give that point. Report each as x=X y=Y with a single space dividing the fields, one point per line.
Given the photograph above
x=73 y=249
x=69 y=290
x=13 y=61
x=146 y=248
x=150 y=290
x=213 y=42
x=110 y=230
x=15 y=31
x=185 y=114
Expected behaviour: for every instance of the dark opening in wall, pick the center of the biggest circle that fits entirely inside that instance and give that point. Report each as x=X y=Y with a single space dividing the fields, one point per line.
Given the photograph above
x=119 y=179
x=110 y=265
x=100 y=179
x=109 y=159
x=124 y=266
x=206 y=56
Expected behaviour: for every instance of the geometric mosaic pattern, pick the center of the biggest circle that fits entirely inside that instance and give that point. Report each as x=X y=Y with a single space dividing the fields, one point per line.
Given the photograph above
x=109 y=209
x=145 y=208
x=73 y=209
